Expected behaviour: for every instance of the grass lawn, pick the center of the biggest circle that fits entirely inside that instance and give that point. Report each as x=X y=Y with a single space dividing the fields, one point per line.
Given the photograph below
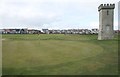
x=57 y=54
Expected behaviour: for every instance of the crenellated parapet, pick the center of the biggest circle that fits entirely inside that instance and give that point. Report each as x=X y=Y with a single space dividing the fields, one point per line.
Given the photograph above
x=106 y=6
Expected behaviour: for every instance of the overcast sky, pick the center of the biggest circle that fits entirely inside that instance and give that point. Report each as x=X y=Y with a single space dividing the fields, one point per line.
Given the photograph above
x=119 y=16
x=52 y=14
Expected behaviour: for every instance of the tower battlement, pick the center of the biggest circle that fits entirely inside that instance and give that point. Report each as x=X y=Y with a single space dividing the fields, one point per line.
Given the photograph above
x=106 y=6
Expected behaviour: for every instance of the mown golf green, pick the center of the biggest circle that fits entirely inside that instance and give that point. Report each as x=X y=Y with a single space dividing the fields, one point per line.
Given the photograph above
x=58 y=54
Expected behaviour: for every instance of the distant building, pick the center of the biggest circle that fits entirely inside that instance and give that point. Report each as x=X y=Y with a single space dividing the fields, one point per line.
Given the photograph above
x=46 y=31
x=23 y=31
x=94 y=31
x=1 y=31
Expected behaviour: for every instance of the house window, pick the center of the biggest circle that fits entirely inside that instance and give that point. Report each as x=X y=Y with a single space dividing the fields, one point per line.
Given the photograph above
x=107 y=12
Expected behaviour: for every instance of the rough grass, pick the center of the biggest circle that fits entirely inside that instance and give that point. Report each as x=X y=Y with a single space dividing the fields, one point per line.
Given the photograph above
x=59 y=54
x=0 y=54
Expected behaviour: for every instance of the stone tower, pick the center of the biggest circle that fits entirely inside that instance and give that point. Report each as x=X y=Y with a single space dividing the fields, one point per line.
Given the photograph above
x=106 y=21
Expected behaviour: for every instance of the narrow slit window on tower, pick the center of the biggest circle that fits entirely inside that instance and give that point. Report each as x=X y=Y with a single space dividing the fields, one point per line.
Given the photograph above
x=107 y=12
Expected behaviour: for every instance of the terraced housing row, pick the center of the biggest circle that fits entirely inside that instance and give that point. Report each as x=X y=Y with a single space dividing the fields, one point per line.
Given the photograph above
x=48 y=31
